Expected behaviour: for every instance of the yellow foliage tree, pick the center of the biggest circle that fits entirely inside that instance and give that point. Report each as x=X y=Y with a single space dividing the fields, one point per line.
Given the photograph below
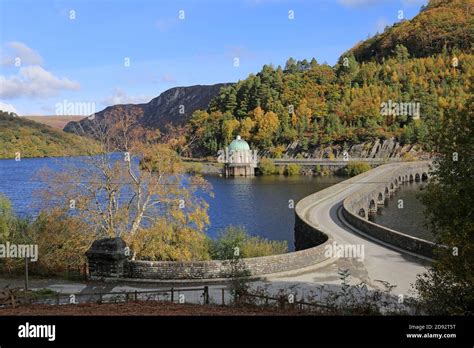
x=267 y=126
x=246 y=127
x=228 y=129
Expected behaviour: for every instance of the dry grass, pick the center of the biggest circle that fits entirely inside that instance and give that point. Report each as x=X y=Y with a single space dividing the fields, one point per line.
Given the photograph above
x=56 y=122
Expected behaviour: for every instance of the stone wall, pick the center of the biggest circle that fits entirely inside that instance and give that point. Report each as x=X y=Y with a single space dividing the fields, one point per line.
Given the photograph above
x=387 y=235
x=306 y=235
x=107 y=257
x=122 y=267
x=256 y=266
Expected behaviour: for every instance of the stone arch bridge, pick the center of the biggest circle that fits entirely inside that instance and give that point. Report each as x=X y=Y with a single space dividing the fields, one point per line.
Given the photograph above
x=366 y=201
x=342 y=211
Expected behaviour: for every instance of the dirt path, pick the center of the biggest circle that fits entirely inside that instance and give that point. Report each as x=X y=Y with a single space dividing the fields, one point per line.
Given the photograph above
x=143 y=308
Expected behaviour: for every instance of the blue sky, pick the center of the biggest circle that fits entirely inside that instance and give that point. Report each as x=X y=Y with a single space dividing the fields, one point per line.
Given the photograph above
x=83 y=59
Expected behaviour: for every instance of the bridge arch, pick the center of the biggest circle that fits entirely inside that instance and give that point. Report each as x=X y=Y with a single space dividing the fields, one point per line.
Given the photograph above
x=362 y=213
x=417 y=177
x=372 y=206
x=424 y=176
x=380 y=198
x=411 y=177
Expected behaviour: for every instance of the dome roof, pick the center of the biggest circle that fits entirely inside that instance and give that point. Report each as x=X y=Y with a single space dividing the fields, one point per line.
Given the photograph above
x=238 y=144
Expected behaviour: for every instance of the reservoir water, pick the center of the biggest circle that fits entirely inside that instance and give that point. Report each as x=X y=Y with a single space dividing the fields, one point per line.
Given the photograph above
x=408 y=216
x=262 y=205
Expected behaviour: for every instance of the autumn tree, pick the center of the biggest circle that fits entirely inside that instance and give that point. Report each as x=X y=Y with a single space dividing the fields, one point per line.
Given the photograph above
x=267 y=127
x=131 y=188
x=448 y=286
x=246 y=128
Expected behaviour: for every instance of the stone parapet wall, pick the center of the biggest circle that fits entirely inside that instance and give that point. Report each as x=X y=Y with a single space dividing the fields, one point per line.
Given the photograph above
x=256 y=266
x=413 y=244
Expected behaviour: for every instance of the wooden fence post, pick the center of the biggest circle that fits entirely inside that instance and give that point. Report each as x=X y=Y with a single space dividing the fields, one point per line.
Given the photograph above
x=26 y=274
x=206 y=295
x=172 y=294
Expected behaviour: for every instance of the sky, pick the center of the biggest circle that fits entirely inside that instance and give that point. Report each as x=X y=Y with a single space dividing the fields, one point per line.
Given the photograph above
x=55 y=55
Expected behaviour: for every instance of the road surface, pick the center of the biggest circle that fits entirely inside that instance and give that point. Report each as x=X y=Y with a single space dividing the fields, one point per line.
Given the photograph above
x=380 y=263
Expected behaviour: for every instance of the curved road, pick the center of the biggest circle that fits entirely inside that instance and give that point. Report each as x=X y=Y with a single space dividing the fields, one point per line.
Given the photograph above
x=381 y=263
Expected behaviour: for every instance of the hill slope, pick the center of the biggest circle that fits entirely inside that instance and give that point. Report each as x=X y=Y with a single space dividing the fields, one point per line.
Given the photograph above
x=34 y=139
x=442 y=23
x=56 y=122
x=173 y=106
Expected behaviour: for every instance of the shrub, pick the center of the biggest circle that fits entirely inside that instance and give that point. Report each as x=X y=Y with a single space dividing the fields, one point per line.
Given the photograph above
x=267 y=167
x=165 y=241
x=356 y=168
x=224 y=247
x=408 y=157
x=292 y=169
x=62 y=241
x=317 y=169
x=6 y=218
x=277 y=151
x=193 y=167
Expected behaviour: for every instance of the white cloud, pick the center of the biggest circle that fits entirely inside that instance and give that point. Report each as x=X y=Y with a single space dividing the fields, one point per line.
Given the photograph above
x=119 y=96
x=27 y=55
x=8 y=108
x=34 y=81
x=168 y=78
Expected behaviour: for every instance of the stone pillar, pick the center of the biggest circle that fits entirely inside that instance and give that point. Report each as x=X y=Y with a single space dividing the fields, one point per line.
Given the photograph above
x=106 y=258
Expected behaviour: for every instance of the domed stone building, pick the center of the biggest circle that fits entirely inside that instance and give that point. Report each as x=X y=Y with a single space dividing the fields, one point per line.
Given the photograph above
x=238 y=159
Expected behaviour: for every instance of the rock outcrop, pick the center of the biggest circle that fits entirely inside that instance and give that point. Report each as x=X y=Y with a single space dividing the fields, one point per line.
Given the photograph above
x=388 y=148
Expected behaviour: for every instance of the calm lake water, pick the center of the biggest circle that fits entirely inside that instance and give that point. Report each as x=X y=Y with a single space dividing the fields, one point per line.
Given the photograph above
x=410 y=218
x=261 y=204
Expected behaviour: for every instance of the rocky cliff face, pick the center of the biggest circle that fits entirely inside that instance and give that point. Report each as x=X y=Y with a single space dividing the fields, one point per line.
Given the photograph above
x=174 y=106
x=388 y=148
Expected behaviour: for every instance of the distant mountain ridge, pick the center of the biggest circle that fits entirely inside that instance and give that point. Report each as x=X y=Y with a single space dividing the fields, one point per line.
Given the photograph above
x=174 y=106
